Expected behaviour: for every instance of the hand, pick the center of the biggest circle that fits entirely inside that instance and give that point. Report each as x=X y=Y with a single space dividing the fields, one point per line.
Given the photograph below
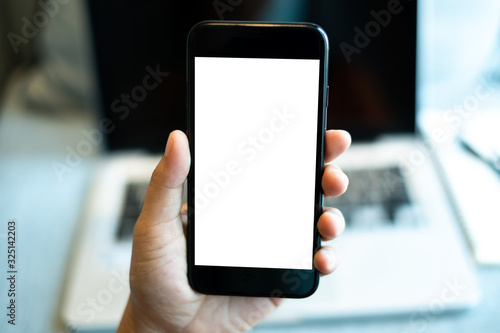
x=161 y=299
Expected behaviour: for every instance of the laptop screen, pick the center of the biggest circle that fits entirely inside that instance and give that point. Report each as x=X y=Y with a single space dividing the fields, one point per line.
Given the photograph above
x=140 y=53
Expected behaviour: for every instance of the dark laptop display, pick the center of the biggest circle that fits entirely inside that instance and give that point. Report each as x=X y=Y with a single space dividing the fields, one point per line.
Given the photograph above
x=140 y=52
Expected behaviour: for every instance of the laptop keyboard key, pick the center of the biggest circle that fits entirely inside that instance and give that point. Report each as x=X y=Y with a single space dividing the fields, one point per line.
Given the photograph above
x=134 y=197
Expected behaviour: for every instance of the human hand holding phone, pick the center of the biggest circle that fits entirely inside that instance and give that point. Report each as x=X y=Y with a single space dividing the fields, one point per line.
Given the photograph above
x=161 y=298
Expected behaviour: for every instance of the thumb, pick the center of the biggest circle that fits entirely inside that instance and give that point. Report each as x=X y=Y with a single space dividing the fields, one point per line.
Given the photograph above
x=163 y=200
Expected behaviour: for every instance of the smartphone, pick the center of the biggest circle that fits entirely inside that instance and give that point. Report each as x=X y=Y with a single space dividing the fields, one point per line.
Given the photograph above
x=257 y=98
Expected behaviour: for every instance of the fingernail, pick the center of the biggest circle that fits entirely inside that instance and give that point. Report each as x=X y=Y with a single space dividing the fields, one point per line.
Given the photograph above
x=339 y=221
x=340 y=174
x=335 y=167
x=332 y=259
x=345 y=178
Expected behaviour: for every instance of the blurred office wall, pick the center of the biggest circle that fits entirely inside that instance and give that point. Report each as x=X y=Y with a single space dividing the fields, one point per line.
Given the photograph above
x=459 y=44
x=45 y=57
x=9 y=58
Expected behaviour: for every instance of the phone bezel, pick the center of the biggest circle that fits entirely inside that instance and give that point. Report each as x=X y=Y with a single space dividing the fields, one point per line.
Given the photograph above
x=256 y=40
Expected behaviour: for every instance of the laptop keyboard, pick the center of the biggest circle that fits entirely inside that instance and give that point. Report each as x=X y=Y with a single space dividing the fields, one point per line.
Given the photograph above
x=375 y=197
x=134 y=196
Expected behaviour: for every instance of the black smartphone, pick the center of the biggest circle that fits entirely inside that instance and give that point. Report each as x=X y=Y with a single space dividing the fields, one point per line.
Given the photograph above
x=257 y=98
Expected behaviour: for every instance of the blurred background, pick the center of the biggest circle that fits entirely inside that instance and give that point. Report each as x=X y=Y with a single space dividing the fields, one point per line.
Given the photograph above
x=73 y=71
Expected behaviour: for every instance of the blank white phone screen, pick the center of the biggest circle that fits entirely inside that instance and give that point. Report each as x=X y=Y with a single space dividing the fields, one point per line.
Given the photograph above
x=255 y=161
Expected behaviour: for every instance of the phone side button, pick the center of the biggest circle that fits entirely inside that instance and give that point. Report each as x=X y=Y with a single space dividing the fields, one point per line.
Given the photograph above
x=327 y=95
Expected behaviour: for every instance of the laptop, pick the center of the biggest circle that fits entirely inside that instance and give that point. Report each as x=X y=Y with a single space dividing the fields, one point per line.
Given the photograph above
x=402 y=252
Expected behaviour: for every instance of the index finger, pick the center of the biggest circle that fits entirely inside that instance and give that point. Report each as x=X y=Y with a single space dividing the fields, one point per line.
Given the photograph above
x=336 y=142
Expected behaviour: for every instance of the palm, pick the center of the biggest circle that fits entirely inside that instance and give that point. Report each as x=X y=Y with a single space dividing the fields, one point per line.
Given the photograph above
x=162 y=267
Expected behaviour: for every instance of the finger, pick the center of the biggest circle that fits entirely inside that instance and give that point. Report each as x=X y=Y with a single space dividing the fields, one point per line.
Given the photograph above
x=163 y=199
x=334 y=181
x=336 y=142
x=331 y=223
x=326 y=260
